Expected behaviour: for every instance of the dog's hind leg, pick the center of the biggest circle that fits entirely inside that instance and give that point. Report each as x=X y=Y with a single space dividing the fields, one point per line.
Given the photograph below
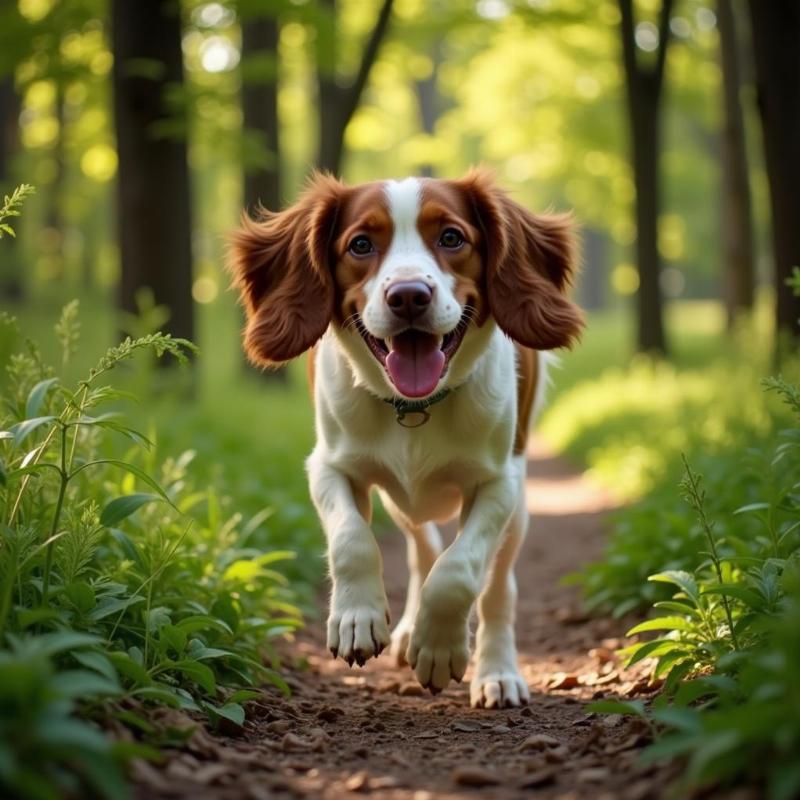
x=423 y=545
x=497 y=681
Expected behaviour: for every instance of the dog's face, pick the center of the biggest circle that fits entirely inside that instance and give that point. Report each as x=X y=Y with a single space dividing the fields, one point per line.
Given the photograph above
x=407 y=272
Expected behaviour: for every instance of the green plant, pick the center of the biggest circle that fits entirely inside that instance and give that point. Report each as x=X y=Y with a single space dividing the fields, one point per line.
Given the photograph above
x=154 y=592
x=11 y=207
x=729 y=648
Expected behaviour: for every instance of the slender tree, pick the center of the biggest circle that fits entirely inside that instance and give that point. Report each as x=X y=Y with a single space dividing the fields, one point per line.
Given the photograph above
x=338 y=103
x=153 y=183
x=644 y=84
x=260 y=36
x=737 y=218
x=429 y=99
x=776 y=34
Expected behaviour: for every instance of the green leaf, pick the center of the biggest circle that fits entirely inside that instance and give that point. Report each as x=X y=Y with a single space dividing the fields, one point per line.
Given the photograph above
x=752 y=507
x=243 y=695
x=122 y=507
x=23 y=429
x=202 y=622
x=202 y=675
x=680 y=578
x=81 y=595
x=137 y=472
x=98 y=662
x=747 y=596
x=655 y=648
x=51 y=644
x=110 y=606
x=233 y=712
x=634 y=708
x=661 y=624
x=37 y=395
x=81 y=684
x=126 y=666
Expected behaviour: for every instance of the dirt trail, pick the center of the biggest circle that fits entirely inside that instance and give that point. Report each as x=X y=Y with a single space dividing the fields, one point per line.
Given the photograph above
x=374 y=731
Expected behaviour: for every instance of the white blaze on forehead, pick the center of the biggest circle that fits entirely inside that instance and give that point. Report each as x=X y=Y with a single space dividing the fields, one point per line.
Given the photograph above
x=408 y=258
x=404 y=202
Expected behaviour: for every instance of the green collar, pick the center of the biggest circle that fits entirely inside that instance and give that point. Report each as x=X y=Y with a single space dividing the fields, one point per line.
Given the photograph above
x=403 y=407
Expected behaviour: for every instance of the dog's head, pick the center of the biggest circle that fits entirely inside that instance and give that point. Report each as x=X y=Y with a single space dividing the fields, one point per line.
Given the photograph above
x=407 y=272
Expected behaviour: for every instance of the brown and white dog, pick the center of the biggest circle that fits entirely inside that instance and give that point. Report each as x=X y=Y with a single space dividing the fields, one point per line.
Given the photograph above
x=422 y=301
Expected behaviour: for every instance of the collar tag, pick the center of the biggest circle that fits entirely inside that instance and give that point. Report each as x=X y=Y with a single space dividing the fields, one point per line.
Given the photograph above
x=414 y=414
x=414 y=418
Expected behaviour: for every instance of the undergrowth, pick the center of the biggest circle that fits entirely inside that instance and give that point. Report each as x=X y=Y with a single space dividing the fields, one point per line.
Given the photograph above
x=721 y=570
x=122 y=583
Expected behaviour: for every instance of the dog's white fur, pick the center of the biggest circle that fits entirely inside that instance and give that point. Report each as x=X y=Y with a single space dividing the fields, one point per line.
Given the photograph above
x=460 y=462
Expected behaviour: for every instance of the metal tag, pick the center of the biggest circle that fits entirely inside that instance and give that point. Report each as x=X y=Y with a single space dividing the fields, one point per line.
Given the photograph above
x=422 y=414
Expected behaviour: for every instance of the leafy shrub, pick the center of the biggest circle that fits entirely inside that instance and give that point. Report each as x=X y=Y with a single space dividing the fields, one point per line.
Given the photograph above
x=732 y=623
x=119 y=579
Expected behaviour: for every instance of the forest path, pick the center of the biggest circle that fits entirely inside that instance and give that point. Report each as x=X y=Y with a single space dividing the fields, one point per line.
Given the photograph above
x=346 y=732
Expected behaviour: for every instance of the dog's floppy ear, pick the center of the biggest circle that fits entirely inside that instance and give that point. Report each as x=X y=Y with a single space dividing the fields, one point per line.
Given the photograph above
x=279 y=263
x=530 y=261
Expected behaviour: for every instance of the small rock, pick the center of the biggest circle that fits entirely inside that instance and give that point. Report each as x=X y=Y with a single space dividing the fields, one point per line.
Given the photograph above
x=387 y=686
x=501 y=729
x=539 y=777
x=465 y=726
x=385 y=782
x=592 y=775
x=279 y=726
x=410 y=689
x=474 y=776
x=557 y=755
x=526 y=712
x=361 y=752
x=612 y=720
x=602 y=654
x=538 y=741
x=358 y=782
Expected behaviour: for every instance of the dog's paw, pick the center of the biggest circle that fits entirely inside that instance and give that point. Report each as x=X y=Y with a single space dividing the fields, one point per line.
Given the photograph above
x=438 y=651
x=358 y=631
x=498 y=689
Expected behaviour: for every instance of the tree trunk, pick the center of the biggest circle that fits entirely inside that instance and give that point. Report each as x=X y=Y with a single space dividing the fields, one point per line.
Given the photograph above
x=336 y=103
x=262 y=183
x=54 y=201
x=644 y=92
x=594 y=275
x=429 y=101
x=10 y=271
x=776 y=33
x=153 y=182
x=736 y=206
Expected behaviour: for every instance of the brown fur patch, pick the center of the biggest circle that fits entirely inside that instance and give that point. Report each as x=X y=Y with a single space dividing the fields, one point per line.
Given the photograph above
x=527 y=381
x=279 y=263
x=530 y=261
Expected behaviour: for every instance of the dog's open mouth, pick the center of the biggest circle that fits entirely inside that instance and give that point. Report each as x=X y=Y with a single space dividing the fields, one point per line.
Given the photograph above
x=415 y=360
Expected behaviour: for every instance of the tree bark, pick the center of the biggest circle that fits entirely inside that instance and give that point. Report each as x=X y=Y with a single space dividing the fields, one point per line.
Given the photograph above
x=429 y=101
x=337 y=104
x=736 y=206
x=776 y=33
x=153 y=182
x=644 y=91
x=10 y=273
x=262 y=183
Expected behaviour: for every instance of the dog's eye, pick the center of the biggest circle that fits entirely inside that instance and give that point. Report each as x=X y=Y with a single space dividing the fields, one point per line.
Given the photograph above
x=451 y=239
x=361 y=246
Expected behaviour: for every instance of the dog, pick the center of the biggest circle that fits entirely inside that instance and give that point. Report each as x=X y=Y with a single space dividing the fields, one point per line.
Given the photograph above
x=427 y=307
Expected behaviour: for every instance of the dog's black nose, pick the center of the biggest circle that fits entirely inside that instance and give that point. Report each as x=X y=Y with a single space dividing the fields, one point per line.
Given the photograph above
x=409 y=299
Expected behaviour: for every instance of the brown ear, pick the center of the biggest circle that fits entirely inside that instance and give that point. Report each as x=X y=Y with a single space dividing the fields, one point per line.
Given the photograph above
x=279 y=264
x=530 y=261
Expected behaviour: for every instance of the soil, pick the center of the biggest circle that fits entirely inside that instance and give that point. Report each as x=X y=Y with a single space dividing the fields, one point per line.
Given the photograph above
x=374 y=731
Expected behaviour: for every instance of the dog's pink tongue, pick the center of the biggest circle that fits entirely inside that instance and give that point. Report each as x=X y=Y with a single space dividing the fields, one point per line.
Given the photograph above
x=415 y=363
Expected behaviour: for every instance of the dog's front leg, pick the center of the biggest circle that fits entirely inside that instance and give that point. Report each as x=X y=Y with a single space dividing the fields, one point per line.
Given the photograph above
x=358 y=622
x=439 y=646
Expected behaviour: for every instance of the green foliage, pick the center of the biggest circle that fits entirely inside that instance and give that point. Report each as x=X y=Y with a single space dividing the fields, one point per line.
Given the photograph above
x=119 y=579
x=11 y=207
x=727 y=643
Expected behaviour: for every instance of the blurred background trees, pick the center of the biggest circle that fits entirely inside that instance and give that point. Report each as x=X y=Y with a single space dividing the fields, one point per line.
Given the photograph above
x=148 y=126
